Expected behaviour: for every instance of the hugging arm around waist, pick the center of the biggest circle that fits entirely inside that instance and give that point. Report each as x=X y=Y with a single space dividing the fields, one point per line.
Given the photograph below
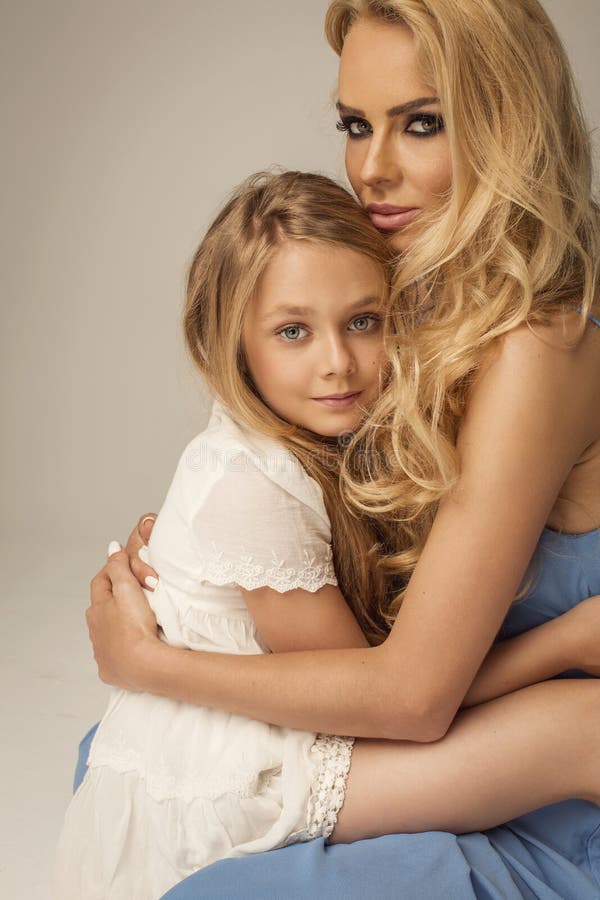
x=528 y=397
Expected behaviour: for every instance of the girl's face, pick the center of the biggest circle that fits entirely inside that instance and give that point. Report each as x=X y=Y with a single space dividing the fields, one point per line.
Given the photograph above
x=312 y=336
x=397 y=151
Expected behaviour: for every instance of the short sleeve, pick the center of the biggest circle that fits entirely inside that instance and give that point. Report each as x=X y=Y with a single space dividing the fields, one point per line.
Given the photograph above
x=256 y=530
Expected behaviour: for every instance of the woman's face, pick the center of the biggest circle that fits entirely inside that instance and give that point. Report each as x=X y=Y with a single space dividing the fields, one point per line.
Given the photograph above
x=397 y=150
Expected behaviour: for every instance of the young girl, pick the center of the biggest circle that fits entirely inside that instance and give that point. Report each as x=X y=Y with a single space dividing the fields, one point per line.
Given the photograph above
x=466 y=144
x=171 y=787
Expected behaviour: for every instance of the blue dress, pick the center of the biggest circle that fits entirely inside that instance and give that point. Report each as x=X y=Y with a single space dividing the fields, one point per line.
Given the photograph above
x=550 y=854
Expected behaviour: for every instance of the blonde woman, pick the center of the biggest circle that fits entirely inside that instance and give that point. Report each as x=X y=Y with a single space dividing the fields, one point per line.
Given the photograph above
x=467 y=147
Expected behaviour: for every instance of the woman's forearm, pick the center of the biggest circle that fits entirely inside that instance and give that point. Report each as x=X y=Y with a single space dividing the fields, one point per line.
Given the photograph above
x=354 y=687
x=333 y=691
x=408 y=688
x=534 y=656
x=365 y=691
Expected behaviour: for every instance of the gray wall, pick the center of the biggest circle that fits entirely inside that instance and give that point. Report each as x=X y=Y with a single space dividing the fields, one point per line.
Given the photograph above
x=125 y=123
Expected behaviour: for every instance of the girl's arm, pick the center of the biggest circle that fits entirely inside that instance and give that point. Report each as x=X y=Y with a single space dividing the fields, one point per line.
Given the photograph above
x=527 y=423
x=304 y=620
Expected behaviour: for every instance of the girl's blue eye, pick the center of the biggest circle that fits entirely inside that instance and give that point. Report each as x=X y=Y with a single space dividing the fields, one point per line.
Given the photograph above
x=365 y=323
x=291 y=333
x=354 y=127
x=425 y=125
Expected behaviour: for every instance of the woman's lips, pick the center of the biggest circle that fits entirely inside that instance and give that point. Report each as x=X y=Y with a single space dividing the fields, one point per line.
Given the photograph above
x=391 y=218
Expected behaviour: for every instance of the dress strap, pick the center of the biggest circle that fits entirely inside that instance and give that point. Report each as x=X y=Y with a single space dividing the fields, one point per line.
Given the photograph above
x=590 y=317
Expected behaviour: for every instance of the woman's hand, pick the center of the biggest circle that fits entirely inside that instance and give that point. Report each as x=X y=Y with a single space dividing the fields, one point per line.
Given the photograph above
x=122 y=627
x=138 y=538
x=584 y=623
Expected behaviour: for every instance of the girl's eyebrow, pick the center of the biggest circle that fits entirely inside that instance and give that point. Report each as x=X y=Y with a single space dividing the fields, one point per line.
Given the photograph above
x=288 y=310
x=393 y=112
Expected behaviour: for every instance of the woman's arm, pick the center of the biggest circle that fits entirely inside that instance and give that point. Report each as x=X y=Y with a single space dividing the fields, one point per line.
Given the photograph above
x=299 y=620
x=323 y=620
x=533 y=402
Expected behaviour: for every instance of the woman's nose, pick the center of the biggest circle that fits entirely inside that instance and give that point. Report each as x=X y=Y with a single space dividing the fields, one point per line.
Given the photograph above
x=380 y=164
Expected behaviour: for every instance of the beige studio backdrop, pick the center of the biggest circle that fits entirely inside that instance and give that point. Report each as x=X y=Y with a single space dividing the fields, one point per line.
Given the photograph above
x=125 y=124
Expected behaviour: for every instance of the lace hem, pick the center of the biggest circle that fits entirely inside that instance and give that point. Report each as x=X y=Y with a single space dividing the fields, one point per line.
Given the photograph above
x=329 y=789
x=249 y=574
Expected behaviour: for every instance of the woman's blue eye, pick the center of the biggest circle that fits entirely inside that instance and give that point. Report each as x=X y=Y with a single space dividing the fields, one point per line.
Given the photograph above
x=354 y=127
x=291 y=333
x=425 y=125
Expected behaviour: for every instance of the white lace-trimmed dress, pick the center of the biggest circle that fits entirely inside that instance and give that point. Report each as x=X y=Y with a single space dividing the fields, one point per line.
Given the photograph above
x=173 y=787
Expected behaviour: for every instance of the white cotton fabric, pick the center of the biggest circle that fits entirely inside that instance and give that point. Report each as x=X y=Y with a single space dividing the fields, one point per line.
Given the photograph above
x=173 y=787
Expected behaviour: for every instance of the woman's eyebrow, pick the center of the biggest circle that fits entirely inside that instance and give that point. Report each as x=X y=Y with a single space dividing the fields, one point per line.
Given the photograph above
x=394 y=111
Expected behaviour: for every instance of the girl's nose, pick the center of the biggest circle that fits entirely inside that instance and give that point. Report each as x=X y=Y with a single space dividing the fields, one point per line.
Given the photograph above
x=381 y=164
x=338 y=359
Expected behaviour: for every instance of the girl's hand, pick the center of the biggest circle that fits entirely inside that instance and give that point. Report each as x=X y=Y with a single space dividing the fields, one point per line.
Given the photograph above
x=584 y=622
x=122 y=627
x=138 y=538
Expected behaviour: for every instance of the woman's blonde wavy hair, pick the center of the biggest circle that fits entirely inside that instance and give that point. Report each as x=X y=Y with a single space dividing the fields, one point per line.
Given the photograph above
x=517 y=241
x=224 y=276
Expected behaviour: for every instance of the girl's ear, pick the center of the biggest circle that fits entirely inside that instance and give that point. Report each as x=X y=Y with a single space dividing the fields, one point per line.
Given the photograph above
x=244 y=370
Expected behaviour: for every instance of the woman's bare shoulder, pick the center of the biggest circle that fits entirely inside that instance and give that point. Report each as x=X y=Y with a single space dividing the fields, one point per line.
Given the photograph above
x=565 y=338
x=554 y=360
x=539 y=390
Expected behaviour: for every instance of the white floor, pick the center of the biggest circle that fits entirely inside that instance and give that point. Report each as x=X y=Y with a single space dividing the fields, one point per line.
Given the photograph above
x=50 y=697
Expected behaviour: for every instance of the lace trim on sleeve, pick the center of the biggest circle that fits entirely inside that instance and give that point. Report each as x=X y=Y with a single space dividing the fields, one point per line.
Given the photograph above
x=248 y=574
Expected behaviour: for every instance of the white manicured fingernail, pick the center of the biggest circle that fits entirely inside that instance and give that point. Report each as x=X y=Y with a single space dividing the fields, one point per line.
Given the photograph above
x=150 y=581
x=113 y=547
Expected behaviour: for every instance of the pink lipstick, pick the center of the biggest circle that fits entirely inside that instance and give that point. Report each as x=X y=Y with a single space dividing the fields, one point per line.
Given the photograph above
x=391 y=218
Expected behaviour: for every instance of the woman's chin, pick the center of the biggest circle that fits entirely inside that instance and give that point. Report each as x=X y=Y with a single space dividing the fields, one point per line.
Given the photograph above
x=398 y=240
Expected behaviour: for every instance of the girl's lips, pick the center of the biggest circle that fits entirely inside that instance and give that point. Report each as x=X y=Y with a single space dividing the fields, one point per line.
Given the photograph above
x=390 y=218
x=339 y=402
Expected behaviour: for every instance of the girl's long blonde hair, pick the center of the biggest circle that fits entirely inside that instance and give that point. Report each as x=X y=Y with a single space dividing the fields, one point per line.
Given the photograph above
x=266 y=211
x=516 y=242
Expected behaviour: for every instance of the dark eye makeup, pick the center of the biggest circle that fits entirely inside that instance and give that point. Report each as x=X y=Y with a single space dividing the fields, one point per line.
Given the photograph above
x=353 y=127
x=425 y=124
x=419 y=125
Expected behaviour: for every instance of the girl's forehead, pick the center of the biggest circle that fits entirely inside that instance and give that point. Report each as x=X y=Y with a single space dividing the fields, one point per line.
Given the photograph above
x=305 y=276
x=307 y=256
